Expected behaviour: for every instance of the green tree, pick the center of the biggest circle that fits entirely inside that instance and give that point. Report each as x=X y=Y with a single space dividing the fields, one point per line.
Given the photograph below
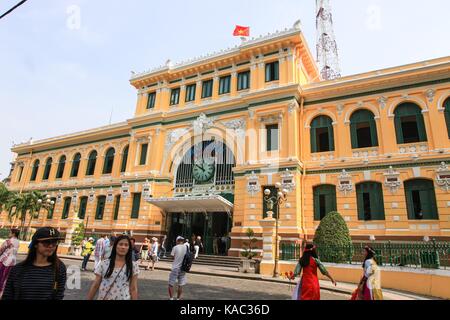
x=78 y=235
x=249 y=245
x=21 y=205
x=5 y=194
x=333 y=240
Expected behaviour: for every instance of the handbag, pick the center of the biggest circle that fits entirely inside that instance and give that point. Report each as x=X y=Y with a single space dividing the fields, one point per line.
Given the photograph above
x=112 y=284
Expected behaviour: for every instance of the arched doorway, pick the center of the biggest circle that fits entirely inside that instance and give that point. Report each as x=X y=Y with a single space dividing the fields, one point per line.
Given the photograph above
x=203 y=197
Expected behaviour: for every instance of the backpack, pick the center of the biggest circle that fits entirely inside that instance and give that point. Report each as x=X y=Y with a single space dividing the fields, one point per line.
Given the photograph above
x=187 y=261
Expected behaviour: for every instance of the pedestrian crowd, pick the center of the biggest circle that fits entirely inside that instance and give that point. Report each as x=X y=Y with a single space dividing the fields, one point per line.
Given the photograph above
x=42 y=275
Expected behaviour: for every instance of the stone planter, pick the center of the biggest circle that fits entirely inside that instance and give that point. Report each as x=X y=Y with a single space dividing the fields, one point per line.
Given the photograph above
x=75 y=250
x=247 y=266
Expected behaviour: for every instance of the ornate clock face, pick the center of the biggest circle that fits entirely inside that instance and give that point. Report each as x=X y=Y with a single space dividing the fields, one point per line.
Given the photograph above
x=203 y=171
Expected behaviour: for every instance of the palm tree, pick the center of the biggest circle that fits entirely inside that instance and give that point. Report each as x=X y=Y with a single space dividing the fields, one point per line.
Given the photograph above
x=21 y=205
x=5 y=194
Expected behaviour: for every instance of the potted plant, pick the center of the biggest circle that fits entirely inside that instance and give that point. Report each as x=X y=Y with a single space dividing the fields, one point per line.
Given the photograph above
x=248 y=264
x=77 y=238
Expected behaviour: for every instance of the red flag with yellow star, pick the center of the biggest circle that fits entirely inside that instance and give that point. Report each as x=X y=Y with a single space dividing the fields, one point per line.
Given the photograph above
x=241 y=31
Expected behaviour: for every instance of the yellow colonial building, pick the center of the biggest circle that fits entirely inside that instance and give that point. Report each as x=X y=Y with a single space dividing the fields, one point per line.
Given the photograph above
x=210 y=134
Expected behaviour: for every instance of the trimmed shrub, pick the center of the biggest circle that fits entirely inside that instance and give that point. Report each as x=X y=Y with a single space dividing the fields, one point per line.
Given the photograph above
x=333 y=240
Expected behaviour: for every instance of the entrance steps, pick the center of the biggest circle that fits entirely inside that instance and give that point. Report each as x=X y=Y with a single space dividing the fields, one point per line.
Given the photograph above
x=218 y=261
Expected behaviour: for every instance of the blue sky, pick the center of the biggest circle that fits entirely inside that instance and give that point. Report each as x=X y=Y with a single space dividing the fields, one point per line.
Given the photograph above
x=60 y=74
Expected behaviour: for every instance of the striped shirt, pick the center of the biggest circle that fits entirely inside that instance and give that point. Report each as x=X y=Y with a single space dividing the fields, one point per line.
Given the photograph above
x=35 y=283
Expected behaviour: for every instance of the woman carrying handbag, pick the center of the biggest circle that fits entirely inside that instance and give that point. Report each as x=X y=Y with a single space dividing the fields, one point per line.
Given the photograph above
x=116 y=277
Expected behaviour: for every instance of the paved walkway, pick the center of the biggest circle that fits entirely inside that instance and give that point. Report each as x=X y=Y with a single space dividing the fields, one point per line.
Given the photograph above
x=225 y=272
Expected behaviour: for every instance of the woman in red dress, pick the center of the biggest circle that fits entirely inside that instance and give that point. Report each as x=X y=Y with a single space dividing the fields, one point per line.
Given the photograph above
x=308 y=287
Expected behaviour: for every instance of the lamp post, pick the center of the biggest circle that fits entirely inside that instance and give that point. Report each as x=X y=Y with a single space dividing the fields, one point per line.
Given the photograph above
x=270 y=202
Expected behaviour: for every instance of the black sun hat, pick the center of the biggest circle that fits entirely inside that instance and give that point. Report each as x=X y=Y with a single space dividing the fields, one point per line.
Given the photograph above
x=47 y=234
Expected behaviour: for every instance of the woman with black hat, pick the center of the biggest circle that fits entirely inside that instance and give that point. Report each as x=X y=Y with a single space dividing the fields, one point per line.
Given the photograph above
x=42 y=276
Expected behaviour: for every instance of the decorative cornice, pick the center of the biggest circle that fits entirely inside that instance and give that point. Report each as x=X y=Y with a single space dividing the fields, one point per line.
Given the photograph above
x=236 y=49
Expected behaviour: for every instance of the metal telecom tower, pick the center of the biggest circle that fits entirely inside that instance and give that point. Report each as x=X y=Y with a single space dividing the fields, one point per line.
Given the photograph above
x=327 y=52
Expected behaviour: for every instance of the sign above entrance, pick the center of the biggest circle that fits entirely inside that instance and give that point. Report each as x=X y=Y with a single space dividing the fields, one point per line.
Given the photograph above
x=211 y=203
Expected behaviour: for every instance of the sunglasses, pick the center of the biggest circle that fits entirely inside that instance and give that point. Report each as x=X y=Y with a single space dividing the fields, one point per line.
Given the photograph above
x=48 y=243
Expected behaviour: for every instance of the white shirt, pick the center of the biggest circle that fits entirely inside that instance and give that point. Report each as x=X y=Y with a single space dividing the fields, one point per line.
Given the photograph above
x=155 y=248
x=178 y=252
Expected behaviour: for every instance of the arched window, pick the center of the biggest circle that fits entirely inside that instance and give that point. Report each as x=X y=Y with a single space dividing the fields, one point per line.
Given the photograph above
x=109 y=161
x=324 y=201
x=48 y=167
x=123 y=167
x=82 y=209
x=363 y=129
x=35 y=170
x=75 y=165
x=92 y=160
x=447 y=115
x=322 y=136
x=66 y=208
x=421 y=200
x=101 y=200
x=370 y=201
x=409 y=124
x=61 y=167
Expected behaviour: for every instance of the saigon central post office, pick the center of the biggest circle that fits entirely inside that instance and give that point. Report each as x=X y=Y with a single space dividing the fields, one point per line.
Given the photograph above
x=211 y=134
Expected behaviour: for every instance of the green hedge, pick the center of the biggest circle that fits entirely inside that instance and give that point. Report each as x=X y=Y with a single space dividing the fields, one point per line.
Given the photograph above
x=333 y=239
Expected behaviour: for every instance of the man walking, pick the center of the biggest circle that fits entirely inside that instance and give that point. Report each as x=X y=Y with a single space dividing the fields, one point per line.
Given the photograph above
x=99 y=251
x=177 y=275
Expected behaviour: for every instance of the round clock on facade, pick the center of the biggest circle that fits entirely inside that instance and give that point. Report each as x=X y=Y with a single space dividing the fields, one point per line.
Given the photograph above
x=203 y=171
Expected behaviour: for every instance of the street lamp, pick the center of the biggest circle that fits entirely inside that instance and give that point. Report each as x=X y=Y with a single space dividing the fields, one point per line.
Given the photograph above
x=277 y=200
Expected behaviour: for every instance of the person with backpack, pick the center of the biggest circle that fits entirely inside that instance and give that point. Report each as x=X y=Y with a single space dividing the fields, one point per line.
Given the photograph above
x=182 y=261
x=42 y=276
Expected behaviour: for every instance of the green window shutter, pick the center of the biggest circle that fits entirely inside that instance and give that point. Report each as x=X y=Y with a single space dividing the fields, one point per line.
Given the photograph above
x=329 y=191
x=117 y=207
x=243 y=80
x=66 y=208
x=61 y=166
x=373 y=132
x=447 y=115
x=354 y=136
x=48 y=166
x=316 y=197
x=272 y=137
x=331 y=137
x=100 y=208
x=136 y=206
x=224 y=85
x=91 y=163
x=124 y=159
x=313 y=140
x=421 y=128
x=143 y=158
x=109 y=161
x=35 y=170
x=276 y=70
x=399 y=130
x=268 y=73
x=151 y=99
x=409 y=199
x=207 y=89
x=82 y=209
x=377 y=201
x=75 y=165
x=175 y=96
x=360 y=201
x=428 y=200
